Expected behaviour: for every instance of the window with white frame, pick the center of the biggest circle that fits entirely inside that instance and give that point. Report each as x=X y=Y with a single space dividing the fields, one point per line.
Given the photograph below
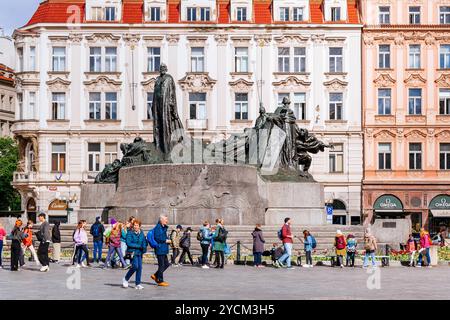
x=336 y=105
x=241 y=106
x=384 y=156
x=299 y=59
x=241 y=14
x=110 y=59
x=154 y=59
x=59 y=59
x=241 y=59
x=95 y=59
x=384 y=15
x=284 y=13
x=444 y=14
x=94 y=152
x=283 y=59
x=444 y=101
x=415 y=156
x=149 y=105
x=205 y=14
x=58 y=106
x=198 y=14
x=299 y=106
x=31 y=105
x=191 y=14
x=106 y=13
x=110 y=13
x=384 y=101
x=197 y=106
x=20 y=105
x=58 y=157
x=414 y=15
x=20 y=66
x=102 y=59
x=335 y=13
x=298 y=14
x=335 y=60
x=384 y=56
x=96 y=13
x=415 y=101
x=414 y=56
x=197 y=59
x=336 y=158
x=110 y=152
x=103 y=105
x=444 y=156
x=155 y=14
x=444 y=56
x=111 y=105
x=32 y=66
x=95 y=105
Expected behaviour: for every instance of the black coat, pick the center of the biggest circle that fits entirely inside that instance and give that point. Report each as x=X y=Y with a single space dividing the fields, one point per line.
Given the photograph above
x=56 y=233
x=185 y=241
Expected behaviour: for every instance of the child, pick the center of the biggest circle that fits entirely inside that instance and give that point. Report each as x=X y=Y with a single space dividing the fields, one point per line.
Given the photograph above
x=411 y=248
x=351 y=250
x=276 y=252
x=185 y=244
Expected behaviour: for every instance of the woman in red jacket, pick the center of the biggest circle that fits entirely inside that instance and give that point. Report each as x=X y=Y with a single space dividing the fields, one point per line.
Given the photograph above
x=27 y=243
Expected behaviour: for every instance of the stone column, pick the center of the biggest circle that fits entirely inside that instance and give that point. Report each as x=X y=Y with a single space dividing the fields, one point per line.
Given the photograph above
x=222 y=118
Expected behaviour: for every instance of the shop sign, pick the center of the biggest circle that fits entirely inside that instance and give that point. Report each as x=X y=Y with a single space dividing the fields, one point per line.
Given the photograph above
x=388 y=203
x=58 y=205
x=440 y=203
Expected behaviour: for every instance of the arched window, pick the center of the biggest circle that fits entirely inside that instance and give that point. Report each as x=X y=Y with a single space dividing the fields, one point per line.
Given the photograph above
x=338 y=205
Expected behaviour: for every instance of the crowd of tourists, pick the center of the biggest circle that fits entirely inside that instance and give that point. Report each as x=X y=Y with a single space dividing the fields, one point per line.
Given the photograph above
x=126 y=245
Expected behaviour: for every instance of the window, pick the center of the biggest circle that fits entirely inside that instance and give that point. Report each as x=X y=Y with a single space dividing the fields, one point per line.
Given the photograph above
x=336 y=158
x=32 y=66
x=241 y=60
x=444 y=15
x=95 y=59
x=241 y=106
x=444 y=156
x=384 y=156
x=197 y=106
x=335 y=60
x=415 y=156
x=444 y=101
x=94 y=157
x=20 y=104
x=154 y=59
x=110 y=59
x=384 y=14
x=284 y=14
x=300 y=106
x=444 y=56
x=384 y=101
x=32 y=105
x=414 y=15
x=149 y=105
x=197 y=59
x=205 y=14
x=298 y=14
x=191 y=14
x=335 y=13
x=58 y=106
x=336 y=102
x=20 y=59
x=58 y=157
x=299 y=59
x=111 y=105
x=110 y=13
x=384 y=56
x=414 y=56
x=59 y=59
x=283 y=59
x=95 y=105
x=96 y=13
x=241 y=14
x=103 y=13
x=415 y=101
x=110 y=152
x=155 y=14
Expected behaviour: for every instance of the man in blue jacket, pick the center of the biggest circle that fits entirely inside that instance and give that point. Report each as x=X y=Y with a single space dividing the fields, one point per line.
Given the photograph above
x=161 y=252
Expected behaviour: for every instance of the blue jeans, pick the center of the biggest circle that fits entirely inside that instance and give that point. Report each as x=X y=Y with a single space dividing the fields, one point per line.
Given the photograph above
x=257 y=258
x=123 y=247
x=366 y=258
x=427 y=254
x=1 y=251
x=98 y=246
x=287 y=254
x=111 y=251
x=136 y=266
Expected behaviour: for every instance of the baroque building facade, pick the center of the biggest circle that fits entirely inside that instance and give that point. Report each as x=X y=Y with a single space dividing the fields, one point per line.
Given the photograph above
x=87 y=71
x=406 y=102
x=7 y=87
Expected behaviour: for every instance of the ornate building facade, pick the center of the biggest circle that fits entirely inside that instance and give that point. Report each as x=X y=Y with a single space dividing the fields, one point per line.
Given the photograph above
x=7 y=90
x=88 y=70
x=406 y=108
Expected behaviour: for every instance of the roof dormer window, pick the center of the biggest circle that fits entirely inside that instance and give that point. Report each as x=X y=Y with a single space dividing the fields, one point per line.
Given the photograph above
x=241 y=10
x=335 y=10
x=155 y=10
x=98 y=10
x=198 y=10
x=291 y=10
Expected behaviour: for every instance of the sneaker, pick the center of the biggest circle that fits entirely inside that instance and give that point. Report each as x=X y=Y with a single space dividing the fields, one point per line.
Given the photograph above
x=205 y=267
x=83 y=265
x=44 y=269
x=342 y=266
x=290 y=268
x=163 y=284
x=310 y=266
x=139 y=287
x=78 y=265
x=124 y=283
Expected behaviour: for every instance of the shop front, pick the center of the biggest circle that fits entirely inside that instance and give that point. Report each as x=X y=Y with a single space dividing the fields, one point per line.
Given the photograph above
x=57 y=211
x=439 y=214
x=388 y=207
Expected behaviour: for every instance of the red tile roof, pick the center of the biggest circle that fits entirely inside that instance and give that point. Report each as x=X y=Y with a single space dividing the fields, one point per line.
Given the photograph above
x=6 y=74
x=60 y=11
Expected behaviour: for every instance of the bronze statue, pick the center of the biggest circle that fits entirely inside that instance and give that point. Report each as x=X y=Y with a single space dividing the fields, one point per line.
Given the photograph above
x=110 y=174
x=167 y=126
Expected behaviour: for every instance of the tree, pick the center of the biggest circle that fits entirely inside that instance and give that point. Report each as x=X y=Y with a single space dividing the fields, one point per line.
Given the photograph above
x=9 y=157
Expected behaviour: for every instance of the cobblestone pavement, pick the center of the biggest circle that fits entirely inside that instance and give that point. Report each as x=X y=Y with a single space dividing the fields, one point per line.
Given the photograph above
x=233 y=282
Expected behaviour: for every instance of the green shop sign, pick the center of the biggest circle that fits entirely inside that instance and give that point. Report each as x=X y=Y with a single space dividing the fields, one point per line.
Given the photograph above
x=388 y=203
x=440 y=203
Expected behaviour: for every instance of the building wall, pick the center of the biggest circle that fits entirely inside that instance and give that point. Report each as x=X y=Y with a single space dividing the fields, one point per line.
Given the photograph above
x=7 y=91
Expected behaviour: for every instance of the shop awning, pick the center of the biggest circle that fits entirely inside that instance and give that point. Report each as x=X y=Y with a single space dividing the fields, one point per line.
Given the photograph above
x=388 y=203
x=440 y=213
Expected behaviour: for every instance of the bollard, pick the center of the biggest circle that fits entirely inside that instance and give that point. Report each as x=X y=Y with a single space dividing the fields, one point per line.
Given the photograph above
x=238 y=252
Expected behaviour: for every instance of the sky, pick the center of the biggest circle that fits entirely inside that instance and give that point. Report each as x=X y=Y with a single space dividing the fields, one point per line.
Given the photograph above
x=16 y=13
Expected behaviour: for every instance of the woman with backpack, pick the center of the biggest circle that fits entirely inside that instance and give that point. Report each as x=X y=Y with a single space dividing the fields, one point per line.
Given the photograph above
x=220 y=236
x=340 y=244
x=309 y=243
x=351 y=250
x=27 y=243
x=114 y=246
x=185 y=244
x=258 y=246
x=204 y=236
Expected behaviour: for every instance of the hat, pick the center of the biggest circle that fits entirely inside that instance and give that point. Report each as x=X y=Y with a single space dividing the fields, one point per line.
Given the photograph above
x=97 y=218
x=188 y=229
x=179 y=227
x=113 y=221
x=338 y=232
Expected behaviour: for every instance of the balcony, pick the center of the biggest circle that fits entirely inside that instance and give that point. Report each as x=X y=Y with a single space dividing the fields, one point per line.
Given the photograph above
x=25 y=177
x=194 y=124
x=25 y=125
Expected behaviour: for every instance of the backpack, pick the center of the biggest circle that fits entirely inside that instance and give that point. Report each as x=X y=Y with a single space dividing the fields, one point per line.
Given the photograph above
x=96 y=230
x=351 y=245
x=313 y=242
x=151 y=239
x=222 y=235
x=280 y=234
x=367 y=243
x=340 y=243
x=200 y=236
